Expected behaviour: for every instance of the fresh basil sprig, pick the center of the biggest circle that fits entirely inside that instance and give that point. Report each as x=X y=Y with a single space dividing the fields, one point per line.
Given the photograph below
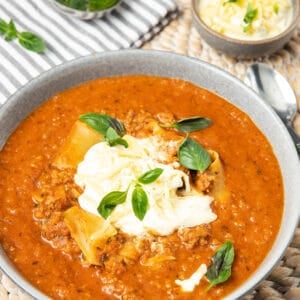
x=193 y=156
x=189 y=124
x=249 y=17
x=111 y=128
x=101 y=122
x=139 y=199
x=28 y=40
x=220 y=269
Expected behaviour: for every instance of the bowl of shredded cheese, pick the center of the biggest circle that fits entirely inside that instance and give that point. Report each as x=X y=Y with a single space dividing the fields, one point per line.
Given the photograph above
x=246 y=28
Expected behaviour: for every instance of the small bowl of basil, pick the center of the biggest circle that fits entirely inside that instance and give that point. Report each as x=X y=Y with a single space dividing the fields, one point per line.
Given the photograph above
x=85 y=9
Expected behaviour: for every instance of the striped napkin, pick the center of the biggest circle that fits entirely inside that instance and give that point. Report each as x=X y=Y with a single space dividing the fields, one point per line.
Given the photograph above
x=129 y=25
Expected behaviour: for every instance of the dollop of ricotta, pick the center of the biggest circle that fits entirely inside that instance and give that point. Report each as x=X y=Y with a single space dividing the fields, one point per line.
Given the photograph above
x=106 y=169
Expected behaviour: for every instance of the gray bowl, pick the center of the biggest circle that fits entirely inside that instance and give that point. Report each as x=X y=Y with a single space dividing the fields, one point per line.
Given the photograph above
x=168 y=65
x=244 y=48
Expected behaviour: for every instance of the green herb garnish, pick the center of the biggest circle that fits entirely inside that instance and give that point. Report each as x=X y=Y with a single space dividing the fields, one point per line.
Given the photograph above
x=220 y=269
x=150 y=176
x=31 y=42
x=193 y=156
x=91 y=5
x=189 y=124
x=110 y=201
x=114 y=139
x=101 y=122
x=28 y=40
x=139 y=202
x=109 y=127
x=11 y=31
x=276 y=8
x=250 y=15
x=139 y=199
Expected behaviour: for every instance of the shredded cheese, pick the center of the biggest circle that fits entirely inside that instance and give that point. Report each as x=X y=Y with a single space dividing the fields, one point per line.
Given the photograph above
x=227 y=18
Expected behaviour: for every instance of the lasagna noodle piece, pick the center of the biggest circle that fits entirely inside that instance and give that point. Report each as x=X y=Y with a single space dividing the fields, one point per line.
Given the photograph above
x=79 y=140
x=89 y=232
x=219 y=190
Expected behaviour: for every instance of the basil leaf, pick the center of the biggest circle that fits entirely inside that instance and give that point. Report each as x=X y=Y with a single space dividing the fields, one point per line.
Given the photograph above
x=193 y=156
x=3 y=27
x=114 y=139
x=101 y=122
x=150 y=176
x=110 y=201
x=11 y=31
x=31 y=42
x=220 y=269
x=117 y=126
x=98 y=122
x=250 y=15
x=192 y=124
x=95 y=5
x=139 y=202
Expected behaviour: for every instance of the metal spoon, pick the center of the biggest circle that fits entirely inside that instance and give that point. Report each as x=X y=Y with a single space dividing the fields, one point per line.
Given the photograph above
x=276 y=91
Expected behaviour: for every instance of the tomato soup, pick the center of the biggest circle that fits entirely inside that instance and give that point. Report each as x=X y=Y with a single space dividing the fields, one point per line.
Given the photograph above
x=41 y=244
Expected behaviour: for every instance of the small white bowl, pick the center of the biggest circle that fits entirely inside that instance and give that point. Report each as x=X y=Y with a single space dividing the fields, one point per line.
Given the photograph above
x=244 y=48
x=82 y=14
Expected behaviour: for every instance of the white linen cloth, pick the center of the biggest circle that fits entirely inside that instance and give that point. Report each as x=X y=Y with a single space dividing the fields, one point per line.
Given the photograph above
x=129 y=25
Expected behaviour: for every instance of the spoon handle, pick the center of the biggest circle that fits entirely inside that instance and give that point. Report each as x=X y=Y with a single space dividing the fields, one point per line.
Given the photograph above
x=295 y=137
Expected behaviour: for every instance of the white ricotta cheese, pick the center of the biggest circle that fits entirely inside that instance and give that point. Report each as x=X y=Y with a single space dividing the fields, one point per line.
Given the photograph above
x=106 y=169
x=188 y=285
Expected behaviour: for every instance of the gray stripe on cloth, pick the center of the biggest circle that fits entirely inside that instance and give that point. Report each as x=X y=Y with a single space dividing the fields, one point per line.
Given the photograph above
x=3 y=90
x=9 y=76
x=55 y=22
x=137 y=15
x=89 y=34
x=51 y=29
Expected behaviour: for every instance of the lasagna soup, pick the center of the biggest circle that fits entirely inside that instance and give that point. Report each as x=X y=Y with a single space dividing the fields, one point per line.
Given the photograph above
x=138 y=187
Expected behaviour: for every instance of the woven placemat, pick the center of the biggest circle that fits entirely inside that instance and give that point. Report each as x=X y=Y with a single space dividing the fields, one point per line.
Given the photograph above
x=181 y=37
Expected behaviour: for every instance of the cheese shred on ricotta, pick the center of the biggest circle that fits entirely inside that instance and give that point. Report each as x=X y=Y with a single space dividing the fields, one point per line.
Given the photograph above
x=106 y=169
